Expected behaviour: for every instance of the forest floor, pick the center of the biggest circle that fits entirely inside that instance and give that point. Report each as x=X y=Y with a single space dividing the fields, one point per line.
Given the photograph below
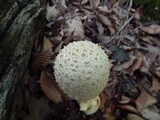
x=133 y=47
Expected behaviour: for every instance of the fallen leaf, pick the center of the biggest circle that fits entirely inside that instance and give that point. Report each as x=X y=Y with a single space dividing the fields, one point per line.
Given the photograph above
x=129 y=37
x=79 y=2
x=119 y=54
x=47 y=45
x=104 y=98
x=40 y=60
x=137 y=14
x=60 y=35
x=125 y=64
x=52 y=90
x=133 y=117
x=110 y=88
x=155 y=85
x=116 y=10
x=135 y=66
x=33 y=83
x=124 y=100
x=127 y=86
x=150 y=115
x=75 y=25
x=94 y=3
x=144 y=100
x=112 y=31
x=110 y=109
x=147 y=39
x=104 y=20
x=153 y=52
x=68 y=39
x=129 y=108
x=104 y=9
x=137 y=63
x=55 y=11
x=59 y=47
x=145 y=65
x=64 y=3
x=56 y=43
x=152 y=29
x=38 y=109
x=100 y=28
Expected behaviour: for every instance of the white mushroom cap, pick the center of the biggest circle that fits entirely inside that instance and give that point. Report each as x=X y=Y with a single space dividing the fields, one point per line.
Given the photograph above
x=82 y=70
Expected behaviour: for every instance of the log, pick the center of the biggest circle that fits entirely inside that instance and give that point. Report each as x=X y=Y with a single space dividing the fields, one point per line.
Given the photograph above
x=18 y=32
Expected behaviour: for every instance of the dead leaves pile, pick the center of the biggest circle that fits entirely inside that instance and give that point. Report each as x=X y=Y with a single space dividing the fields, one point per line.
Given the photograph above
x=133 y=47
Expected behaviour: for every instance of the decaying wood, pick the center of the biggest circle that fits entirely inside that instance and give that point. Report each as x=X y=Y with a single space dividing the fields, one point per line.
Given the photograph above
x=18 y=32
x=8 y=18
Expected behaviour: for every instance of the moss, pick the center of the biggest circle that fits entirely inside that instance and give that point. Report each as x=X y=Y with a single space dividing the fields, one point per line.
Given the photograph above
x=151 y=8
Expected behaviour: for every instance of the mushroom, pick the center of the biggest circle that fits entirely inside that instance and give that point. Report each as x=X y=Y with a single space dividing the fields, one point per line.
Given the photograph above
x=82 y=69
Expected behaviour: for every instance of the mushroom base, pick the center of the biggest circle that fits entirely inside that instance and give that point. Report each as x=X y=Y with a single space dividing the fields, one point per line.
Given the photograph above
x=90 y=106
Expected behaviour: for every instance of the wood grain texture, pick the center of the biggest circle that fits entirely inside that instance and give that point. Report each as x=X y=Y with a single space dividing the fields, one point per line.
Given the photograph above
x=16 y=42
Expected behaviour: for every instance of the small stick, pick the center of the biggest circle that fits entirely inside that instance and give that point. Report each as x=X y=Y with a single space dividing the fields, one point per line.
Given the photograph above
x=120 y=29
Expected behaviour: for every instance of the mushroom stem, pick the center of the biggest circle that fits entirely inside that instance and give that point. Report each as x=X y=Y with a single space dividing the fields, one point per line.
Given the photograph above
x=90 y=106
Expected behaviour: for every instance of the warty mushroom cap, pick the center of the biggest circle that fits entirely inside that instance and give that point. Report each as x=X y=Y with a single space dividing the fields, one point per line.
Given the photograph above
x=82 y=69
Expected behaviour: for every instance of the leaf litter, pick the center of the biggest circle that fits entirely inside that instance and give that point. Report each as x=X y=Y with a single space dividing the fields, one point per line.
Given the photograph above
x=133 y=46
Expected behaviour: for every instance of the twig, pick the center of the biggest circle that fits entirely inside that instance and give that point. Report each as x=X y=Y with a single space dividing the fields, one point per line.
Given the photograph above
x=130 y=5
x=113 y=37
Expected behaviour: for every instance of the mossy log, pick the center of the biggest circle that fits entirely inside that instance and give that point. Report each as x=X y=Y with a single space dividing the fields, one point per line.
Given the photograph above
x=19 y=25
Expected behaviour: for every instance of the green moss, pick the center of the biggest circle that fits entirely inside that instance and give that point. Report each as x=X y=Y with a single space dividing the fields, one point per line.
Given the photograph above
x=151 y=8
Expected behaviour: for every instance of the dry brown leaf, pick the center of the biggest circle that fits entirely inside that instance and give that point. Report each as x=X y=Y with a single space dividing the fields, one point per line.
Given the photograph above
x=110 y=89
x=104 y=20
x=144 y=100
x=51 y=13
x=125 y=65
x=112 y=31
x=150 y=115
x=79 y=2
x=129 y=67
x=59 y=47
x=124 y=100
x=133 y=117
x=153 y=52
x=157 y=71
x=137 y=63
x=152 y=29
x=55 y=43
x=129 y=108
x=60 y=35
x=145 y=65
x=116 y=8
x=129 y=37
x=137 y=14
x=104 y=97
x=155 y=85
x=40 y=60
x=33 y=84
x=68 y=39
x=110 y=109
x=52 y=90
x=147 y=39
x=75 y=25
x=38 y=109
x=55 y=11
x=100 y=28
x=94 y=3
x=63 y=2
x=47 y=45
x=104 y=9
x=109 y=117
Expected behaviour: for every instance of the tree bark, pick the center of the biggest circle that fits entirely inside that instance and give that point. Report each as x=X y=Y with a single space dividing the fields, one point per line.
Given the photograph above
x=19 y=26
